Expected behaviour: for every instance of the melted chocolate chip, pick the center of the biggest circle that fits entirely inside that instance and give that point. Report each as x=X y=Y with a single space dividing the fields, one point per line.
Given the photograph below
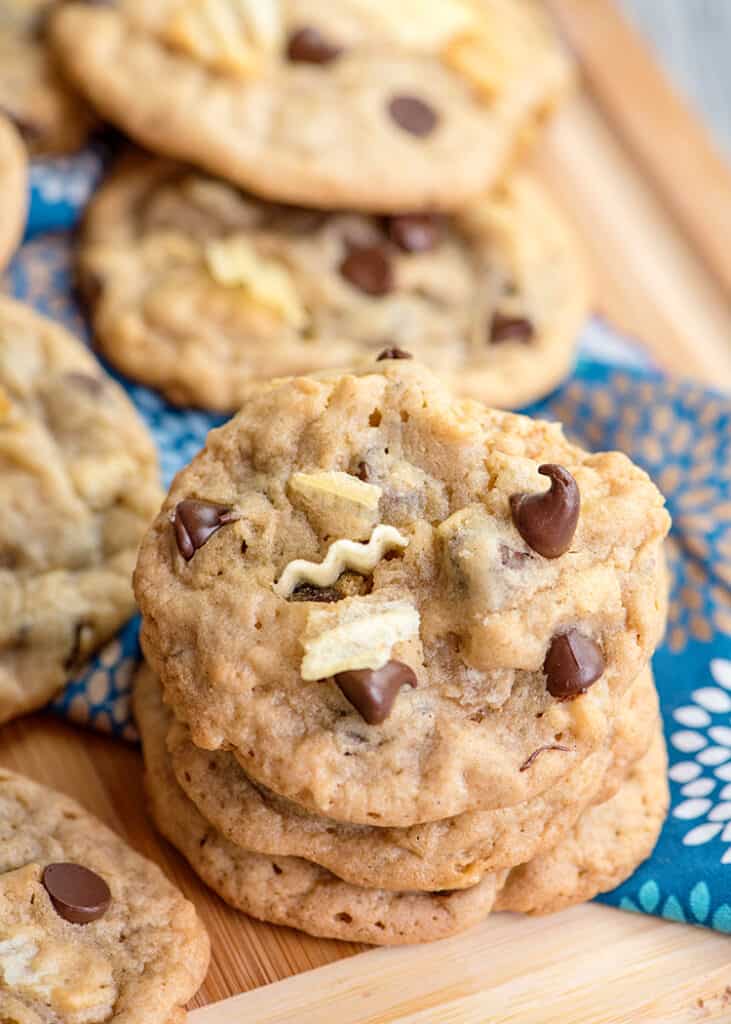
x=414 y=232
x=394 y=353
x=78 y=895
x=362 y=472
x=541 y=750
x=373 y=692
x=511 y=328
x=513 y=559
x=309 y=592
x=309 y=46
x=368 y=268
x=572 y=664
x=85 y=382
x=196 y=521
x=547 y=521
x=413 y=115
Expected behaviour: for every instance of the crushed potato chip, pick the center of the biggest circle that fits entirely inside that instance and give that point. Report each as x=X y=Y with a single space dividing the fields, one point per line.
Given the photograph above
x=231 y=36
x=416 y=25
x=341 y=556
x=337 y=503
x=235 y=263
x=356 y=634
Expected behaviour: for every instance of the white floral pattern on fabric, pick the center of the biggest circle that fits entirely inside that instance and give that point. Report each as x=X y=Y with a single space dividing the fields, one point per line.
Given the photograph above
x=704 y=777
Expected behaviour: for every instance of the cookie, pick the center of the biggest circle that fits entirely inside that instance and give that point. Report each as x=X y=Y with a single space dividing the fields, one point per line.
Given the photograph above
x=196 y=288
x=359 y=587
x=449 y=854
x=289 y=890
x=13 y=189
x=361 y=104
x=89 y=929
x=49 y=114
x=78 y=486
x=609 y=842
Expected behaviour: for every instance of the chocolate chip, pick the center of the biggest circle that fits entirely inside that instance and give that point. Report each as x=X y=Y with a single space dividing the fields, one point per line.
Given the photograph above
x=196 y=521
x=368 y=268
x=308 y=46
x=309 y=592
x=394 y=353
x=85 y=382
x=413 y=115
x=362 y=472
x=78 y=895
x=75 y=657
x=372 y=692
x=414 y=232
x=572 y=664
x=511 y=328
x=547 y=521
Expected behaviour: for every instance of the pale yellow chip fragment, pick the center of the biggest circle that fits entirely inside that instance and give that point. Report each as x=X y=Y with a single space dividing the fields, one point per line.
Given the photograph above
x=342 y=555
x=356 y=634
x=235 y=263
x=416 y=25
x=337 y=503
x=337 y=485
x=234 y=37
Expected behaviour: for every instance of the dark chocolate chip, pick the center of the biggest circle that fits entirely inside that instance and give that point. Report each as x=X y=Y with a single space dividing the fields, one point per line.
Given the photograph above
x=394 y=353
x=362 y=472
x=78 y=894
x=308 y=46
x=85 y=382
x=511 y=328
x=309 y=592
x=368 y=268
x=196 y=521
x=75 y=657
x=547 y=520
x=572 y=664
x=413 y=115
x=414 y=232
x=372 y=692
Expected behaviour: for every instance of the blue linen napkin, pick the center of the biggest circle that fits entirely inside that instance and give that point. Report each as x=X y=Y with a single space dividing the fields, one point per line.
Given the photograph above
x=680 y=432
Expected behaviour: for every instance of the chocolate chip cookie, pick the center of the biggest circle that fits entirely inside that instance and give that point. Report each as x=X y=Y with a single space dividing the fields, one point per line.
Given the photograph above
x=78 y=486
x=196 y=288
x=450 y=854
x=13 y=185
x=384 y=599
x=608 y=843
x=90 y=931
x=289 y=890
x=362 y=104
x=49 y=114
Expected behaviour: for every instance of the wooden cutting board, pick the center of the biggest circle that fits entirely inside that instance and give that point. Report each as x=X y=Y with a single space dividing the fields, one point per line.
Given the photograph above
x=652 y=201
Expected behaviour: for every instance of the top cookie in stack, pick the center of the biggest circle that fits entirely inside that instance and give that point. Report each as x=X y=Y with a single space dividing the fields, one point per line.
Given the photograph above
x=363 y=104
x=363 y=588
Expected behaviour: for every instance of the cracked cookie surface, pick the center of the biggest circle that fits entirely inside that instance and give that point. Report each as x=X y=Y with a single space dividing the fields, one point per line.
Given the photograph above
x=196 y=288
x=13 y=185
x=78 y=486
x=138 y=959
x=448 y=854
x=229 y=649
x=49 y=114
x=355 y=104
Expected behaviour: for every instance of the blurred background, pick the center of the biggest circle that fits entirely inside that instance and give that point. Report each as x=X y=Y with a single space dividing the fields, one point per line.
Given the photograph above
x=693 y=40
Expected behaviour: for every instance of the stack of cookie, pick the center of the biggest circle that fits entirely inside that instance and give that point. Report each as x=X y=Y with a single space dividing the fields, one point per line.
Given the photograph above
x=396 y=128
x=399 y=653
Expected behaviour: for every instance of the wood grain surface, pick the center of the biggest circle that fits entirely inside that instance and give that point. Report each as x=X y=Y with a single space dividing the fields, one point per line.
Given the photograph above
x=660 y=274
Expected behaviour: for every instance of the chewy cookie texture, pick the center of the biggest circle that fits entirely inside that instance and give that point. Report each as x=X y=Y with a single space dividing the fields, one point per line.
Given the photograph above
x=90 y=932
x=360 y=104
x=78 y=487
x=197 y=288
x=494 y=634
